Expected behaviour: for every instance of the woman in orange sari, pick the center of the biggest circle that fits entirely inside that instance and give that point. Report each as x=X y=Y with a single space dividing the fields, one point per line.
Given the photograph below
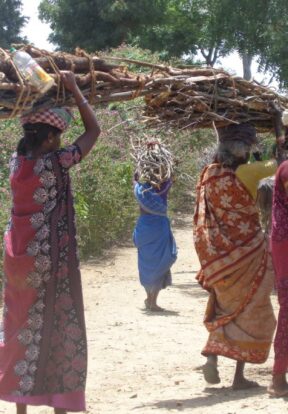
x=235 y=265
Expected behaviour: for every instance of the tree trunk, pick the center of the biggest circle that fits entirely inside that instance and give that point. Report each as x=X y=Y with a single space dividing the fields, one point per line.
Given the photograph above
x=247 y=62
x=210 y=56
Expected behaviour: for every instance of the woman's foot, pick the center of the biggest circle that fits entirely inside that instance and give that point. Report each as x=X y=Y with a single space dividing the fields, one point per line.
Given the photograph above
x=210 y=370
x=156 y=308
x=211 y=374
x=278 y=386
x=244 y=384
x=240 y=382
x=151 y=301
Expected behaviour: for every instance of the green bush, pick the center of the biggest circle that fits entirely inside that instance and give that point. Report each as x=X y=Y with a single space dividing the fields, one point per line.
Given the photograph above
x=9 y=135
x=105 y=207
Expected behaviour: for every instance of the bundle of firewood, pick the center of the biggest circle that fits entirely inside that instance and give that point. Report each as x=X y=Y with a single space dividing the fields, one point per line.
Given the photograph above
x=189 y=97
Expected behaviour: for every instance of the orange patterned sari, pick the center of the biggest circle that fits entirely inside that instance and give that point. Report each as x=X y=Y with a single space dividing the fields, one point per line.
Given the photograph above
x=235 y=268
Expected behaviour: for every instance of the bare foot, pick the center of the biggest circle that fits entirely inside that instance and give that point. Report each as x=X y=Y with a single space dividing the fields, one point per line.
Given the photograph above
x=277 y=392
x=146 y=303
x=211 y=373
x=278 y=386
x=156 y=308
x=244 y=384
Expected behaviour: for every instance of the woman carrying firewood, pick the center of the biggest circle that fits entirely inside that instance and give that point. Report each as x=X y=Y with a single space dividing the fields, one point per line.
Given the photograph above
x=43 y=355
x=152 y=234
x=236 y=268
x=279 y=247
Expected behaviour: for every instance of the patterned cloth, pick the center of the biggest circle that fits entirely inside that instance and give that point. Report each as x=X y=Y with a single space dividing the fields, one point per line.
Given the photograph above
x=280 y=205
x=235 y=268
x=153 y=237
x=279 y=248
x=57 y=117
x=43 y=357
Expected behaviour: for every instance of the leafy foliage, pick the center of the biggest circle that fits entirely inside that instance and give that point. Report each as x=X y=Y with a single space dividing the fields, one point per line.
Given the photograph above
x=211 y=29
x=11 y=22
x=273 y=56
x=100 y=23
x=190 y=27
x=105 y=207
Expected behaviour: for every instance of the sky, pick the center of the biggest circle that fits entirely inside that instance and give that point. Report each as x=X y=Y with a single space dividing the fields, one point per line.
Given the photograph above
x=38 y=32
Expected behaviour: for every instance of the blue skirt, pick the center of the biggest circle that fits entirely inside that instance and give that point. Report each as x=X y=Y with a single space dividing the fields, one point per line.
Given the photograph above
x=157 y=250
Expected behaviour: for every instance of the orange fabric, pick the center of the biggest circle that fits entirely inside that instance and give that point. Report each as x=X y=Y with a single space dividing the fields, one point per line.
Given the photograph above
x=227 y=230
x=235 y=268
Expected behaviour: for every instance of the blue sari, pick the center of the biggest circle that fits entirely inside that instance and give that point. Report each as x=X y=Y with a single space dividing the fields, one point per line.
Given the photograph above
x=153 y=237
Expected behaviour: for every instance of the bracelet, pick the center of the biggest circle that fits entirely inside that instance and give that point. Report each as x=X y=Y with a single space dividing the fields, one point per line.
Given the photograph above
x=84 y=102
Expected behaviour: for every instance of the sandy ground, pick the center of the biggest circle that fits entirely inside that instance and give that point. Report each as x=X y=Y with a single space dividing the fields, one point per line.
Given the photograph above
x=144 y=363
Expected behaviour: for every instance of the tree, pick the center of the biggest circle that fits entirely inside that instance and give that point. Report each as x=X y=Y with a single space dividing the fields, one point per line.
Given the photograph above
x=98 y=24
x=245 y=24
x=273 y=57
x=11 y=22
x=191 y=26
x=177 y=28
x=214 y=28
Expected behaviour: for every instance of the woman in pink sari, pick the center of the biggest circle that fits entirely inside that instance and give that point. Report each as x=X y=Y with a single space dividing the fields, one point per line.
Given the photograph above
x=279 y=247
x=43 y=355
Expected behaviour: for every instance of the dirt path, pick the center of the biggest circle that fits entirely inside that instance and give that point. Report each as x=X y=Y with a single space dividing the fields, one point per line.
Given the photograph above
x=143 y=363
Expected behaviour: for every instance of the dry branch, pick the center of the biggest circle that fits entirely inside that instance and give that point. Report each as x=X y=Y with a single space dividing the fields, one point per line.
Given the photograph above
x=183 y=98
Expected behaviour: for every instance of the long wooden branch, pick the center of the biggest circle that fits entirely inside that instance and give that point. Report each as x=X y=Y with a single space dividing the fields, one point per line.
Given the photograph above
x=189 y=97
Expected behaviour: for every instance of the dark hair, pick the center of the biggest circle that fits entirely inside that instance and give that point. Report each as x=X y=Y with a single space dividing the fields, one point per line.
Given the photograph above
x=34 y=136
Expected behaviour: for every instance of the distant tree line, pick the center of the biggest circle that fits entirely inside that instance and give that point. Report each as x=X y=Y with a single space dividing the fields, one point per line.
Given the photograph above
x=211 y=29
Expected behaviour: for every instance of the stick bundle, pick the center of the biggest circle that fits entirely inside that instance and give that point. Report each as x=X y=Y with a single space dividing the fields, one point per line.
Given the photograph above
x=154 y=162
x=184 y=98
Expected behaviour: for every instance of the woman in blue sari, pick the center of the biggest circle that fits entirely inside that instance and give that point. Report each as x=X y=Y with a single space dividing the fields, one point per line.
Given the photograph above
x=154 y=239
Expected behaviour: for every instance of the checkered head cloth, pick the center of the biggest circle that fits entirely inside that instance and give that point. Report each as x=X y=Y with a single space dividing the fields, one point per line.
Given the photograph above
x=57 y=117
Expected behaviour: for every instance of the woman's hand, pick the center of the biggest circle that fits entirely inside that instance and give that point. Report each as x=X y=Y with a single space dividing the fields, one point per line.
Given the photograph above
x=69 y=80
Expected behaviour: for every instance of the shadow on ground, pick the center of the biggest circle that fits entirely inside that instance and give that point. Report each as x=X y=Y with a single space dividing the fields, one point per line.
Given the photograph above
x=214 y=396
x=191 y=289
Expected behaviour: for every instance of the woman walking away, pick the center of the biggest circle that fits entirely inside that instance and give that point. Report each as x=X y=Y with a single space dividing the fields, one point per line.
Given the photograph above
x=152 y=234
x=43 y=356
x=279 y=248
x=235 y=266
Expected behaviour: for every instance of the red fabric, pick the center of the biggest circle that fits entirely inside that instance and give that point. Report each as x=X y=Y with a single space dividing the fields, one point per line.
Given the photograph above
x=42 y=341
x=279 y=249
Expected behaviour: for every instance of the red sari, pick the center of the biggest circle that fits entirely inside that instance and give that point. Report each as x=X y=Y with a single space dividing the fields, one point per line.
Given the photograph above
x=43 y=356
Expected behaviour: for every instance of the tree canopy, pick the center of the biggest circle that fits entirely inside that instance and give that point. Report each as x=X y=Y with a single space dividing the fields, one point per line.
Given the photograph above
x=11 y=22
x=98 y=24
x=176 y=28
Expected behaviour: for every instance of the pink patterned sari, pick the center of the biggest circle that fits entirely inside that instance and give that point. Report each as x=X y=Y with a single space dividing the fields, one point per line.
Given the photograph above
x=279 y=248
x=43 y=356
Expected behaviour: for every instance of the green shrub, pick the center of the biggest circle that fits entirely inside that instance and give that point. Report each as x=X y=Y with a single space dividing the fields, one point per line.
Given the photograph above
x=105 y=207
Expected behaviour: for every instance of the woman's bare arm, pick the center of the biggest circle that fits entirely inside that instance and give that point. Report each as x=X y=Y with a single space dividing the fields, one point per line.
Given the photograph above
x=92 y=129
